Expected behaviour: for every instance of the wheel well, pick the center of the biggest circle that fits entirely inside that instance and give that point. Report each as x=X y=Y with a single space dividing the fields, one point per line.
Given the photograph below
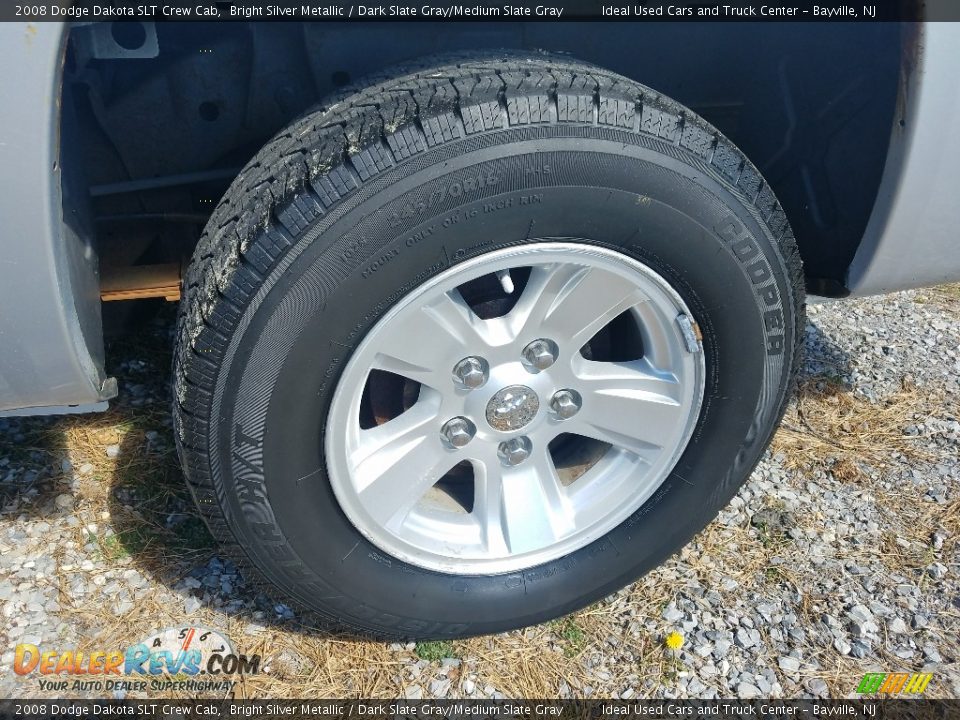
x=167 y=116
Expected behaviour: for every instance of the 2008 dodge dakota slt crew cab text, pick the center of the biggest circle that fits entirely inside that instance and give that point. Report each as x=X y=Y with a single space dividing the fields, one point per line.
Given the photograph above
x=477 y=324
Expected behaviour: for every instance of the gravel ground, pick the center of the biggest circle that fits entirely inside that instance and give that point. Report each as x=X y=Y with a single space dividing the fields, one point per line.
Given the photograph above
x=838 y=557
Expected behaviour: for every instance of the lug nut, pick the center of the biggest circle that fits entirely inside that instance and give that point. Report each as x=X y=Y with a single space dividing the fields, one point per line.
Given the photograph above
x=515 y=450
x=566 y=403
x=458 y=431
x=471 y=372
x=540 y=354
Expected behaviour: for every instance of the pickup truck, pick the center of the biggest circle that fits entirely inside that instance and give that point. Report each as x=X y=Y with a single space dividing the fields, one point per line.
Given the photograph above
x=479 y=321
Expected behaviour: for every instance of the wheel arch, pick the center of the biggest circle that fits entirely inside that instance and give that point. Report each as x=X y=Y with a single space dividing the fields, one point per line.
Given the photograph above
x=817 y=124
x=910 y=241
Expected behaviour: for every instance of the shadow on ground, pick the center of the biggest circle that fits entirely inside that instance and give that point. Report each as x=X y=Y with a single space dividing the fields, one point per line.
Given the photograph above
x=124 y=462
x=153 y=517
x=823 y=360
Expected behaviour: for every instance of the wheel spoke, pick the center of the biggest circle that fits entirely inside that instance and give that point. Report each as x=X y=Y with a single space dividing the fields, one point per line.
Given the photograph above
x=522 y=508
x=397 y=462
x=425 y=344
x=629 y=405
x=488 y=501
x=572 y=302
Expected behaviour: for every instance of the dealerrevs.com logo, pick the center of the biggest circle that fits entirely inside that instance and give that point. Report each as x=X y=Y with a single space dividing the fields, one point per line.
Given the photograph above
x=189 y=658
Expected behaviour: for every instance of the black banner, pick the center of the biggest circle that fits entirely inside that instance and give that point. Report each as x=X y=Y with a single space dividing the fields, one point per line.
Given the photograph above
x=920 y=709
x=483 y=11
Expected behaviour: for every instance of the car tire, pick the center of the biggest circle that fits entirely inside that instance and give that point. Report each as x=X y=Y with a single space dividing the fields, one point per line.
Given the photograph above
x=332 y=240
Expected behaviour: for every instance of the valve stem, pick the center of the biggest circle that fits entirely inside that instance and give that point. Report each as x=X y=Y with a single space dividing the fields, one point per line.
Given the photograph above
x=506 y=282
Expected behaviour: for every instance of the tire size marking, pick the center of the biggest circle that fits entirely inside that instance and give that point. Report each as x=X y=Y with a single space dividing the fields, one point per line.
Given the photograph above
x=747 y=252
x=455 y=190
x=460 y=215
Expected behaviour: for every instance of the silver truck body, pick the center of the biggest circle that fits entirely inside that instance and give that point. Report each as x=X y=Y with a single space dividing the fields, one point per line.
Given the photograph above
x=51 y=344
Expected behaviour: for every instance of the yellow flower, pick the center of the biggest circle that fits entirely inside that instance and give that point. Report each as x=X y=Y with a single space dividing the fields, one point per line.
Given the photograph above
x=674 y=641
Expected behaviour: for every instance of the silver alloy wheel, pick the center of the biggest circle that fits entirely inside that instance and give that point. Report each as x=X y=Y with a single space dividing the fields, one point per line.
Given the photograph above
x=635 y=415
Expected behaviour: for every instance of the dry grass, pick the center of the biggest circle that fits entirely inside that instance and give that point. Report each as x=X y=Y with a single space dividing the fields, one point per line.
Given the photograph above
x=946 y=296
x=302 y=661
x=828 y=427
x=827 y=430
x=146 y=475
x=305 y=662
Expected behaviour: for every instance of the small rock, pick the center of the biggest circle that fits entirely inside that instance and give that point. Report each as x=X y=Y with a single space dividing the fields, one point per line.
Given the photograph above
x=863 y=629
x=859 y=649
x=672 y=614
x=744 y=638
x=113 y=451
x=860 y=614
x=898 y=626
x=789 y=664
x=937 y=539
x=64 y=502
x=440 y=688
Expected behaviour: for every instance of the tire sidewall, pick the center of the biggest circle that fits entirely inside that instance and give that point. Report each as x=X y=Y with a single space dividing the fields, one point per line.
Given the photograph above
x=602 y=187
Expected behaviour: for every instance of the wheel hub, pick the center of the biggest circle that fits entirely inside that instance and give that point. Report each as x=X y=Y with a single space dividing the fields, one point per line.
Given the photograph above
x=512 y=408
x=468 y=482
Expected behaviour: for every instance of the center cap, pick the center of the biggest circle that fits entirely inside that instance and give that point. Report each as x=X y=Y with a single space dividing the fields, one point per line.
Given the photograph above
x=512 y=407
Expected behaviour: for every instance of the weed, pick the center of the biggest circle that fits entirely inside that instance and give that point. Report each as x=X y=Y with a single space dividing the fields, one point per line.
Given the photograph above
x=571 y=633
x=435 y=650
